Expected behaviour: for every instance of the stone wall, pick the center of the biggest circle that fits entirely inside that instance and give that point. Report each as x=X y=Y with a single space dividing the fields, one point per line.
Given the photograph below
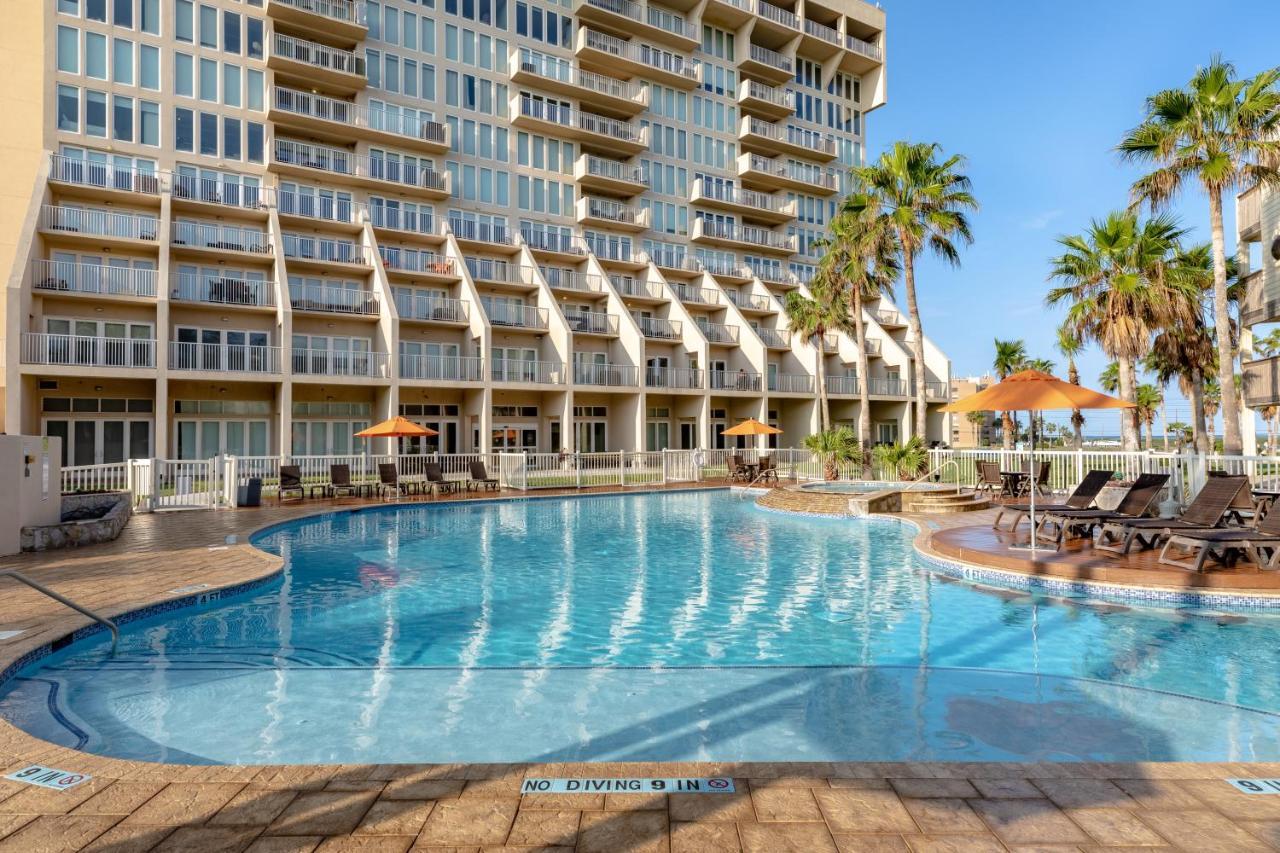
x=111 y=508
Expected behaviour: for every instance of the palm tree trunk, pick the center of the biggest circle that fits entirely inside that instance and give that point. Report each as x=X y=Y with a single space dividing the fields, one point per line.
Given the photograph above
x=1006 y=430
x=1128 y=391
x=1199 y=432
x=1232 y=443
x=825 y=409
x=917 y=343
x=864 y=393
x=1151 y=434
x=1077 y=419
x=1164 y=424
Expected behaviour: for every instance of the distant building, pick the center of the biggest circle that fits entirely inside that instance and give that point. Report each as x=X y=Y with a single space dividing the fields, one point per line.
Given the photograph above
x=967 y=433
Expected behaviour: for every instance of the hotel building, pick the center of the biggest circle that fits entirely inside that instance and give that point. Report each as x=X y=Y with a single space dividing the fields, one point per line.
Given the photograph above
x=253 y=227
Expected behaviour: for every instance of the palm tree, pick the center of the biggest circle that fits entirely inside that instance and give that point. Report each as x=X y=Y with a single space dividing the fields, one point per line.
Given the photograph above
x=1071 y=346
x=1149 y=399
x=1221 y=132
x=1268 y=346
x=1011 y=356
x=978 y=419
x=833 y=447
x=825 y=309
x=1109 y=378
x=925 y=201
x=1212 y=403
x=1181 y=433
x=1114 y=282
x=905 y=460
x=1268 y=414
x=1186 y=353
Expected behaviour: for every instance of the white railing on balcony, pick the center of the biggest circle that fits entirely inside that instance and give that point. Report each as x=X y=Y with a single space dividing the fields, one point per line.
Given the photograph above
x=591 y=322
x=675 y=258
x=221 y=191
x=872 y=346
x=725 y=267
x=630 y=285
x=308 y=248
x=887 y=318
x=340 y=161
x=625 y=8
x=415 y=260
x=232 y=358
x=656 y=58
x=613 y=211
x=87 y=350
x=937 y=390
x=99 y=223
x=590 y=122
x=728 y=380
x=778 y=338
x=562 y=70
x=778 y=15
x=842 y=385
x=750 y=234
x=223 y=290
x=690 y=293
x=338 y=300
x=410 y=220
x=602 y=167
x=326 y=208
x=348 y=11
x=541 y=372
x=782 y=169
x=218 y=235
x=611 y=375
x=658 y=327
x=757 y=302
x=562 y=279
x=108 y=176
x=719 y=333
x=318 y=55
x=672 y=377
x=772 y=273
x=776 y=95
x=713 y=191
x=468 y=368
x=865 y=48
x=336 y=110
x=491 y=270
x=887 y=387
x=822 y=31
x=670 y=22
x=791 y=383
x=481 y=232
x=515 y=315
x=811 y=140
x=553 y=241
x=103 y=279
x=438 y=308
x=326 y=362
x=772 y=58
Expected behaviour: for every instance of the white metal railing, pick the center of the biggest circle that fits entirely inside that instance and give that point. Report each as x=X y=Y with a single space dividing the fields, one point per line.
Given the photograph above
x=318 y=55
x=563 y=279
x=772 y=58
x=99 y=223
x=106 y=477
x=772 y=273
x=306 y=247
x=625 y=8
x=481 y=232
x=564 y=71
x=469 y=368
x=778 y=15
x=863 y=47
x=235 y=358
x=220 y=289
x=887 y=387
x=409 y=172
x=936 y=390
x=514 y=314
x=103 y=279
x=873 y=346
x=613 y=128
x=737 y=195
x=553 y=241
x=691 y=293
x=417 y=260
x=602 y=167
x=613 y=211
x=750 y=234
x=497 y=271
x=1248 y=210
x=340 y=300
x=791 y=383
x=87 y=350
x=348 y=11
x=219 y=235
x=1068 y=467
x=810 y=140
x=327 y=362
x=104 y=175
x=842 y=385
x=630 y=285
x=610 y=375
x=591 y=322
x=725 y=267
x=672 y=377
x=410 y=220
x=540 y=372
x=438 y=308
x=669 y=22
x=326 y=208
x=221 y=191
x=822 y=31
x=728 y=380
x=778 y=338
x=675 y=258
x=324 y=108
x=642 y=54
x=659 y=328
x=757 y=91
x=786 y=170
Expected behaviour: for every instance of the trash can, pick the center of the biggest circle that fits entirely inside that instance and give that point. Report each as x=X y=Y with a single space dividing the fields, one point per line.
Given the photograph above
x=250 y=494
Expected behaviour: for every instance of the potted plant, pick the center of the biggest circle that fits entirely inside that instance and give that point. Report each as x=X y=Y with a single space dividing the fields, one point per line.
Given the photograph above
x=834 y=447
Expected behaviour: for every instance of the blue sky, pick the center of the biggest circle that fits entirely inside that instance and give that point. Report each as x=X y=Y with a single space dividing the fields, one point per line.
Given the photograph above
x=1036 y=95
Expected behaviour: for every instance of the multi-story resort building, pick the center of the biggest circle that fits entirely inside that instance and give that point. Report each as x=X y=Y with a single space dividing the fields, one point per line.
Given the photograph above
x=1258 y=255
x=973 y=433
x=253 y=227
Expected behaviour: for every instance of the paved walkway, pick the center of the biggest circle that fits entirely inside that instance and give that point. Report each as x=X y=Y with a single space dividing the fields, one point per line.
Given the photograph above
x=132 y=807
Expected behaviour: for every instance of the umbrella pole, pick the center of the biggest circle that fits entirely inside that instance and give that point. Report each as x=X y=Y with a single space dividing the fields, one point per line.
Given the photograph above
x=1034 y=478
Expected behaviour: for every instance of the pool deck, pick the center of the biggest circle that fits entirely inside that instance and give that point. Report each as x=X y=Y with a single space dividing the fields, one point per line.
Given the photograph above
x=132 y=807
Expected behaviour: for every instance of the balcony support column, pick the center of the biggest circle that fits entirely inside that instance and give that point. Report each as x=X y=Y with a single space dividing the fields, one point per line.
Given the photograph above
x=284 y=417
x=163 y=418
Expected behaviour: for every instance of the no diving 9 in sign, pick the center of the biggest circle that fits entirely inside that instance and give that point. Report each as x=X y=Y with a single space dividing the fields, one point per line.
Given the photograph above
x=627 y=786
x=48 y=777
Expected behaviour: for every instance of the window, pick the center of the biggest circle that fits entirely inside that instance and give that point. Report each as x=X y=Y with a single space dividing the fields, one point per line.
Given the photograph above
x=95 y=55
x=254 y=94
x=148 y=122
x=69 y=7
x=151 y=17
x=208 y=26
x=183 y=21
x=183 y=129
x=253 y=144
x=69 y=108
x=183 y=81
x=122 y=13
x=231 y=85
x=96 y=10
x=231 y=32
x=122 y=118
x=253 y=28
x=231 y=138
x=209 y=134
x=149 y=67
x=69 y=50
x=95 y=113
x=122 y=61
x=208 y=80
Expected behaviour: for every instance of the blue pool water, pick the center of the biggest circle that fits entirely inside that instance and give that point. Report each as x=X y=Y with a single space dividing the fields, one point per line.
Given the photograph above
x=686 y=626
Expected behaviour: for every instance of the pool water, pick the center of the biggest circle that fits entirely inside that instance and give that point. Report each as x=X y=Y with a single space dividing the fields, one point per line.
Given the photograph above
x=674 y=626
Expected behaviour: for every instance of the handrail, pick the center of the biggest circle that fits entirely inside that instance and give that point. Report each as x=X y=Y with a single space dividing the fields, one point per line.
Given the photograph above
x=937 y=470
x=61 y=599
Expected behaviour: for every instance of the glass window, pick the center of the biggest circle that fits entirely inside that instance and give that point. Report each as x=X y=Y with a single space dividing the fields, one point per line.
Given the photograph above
x=151 y=16
x=208 y=26
x=95 y=10
x=231 y=138
x=149 y=66
x=95 y=113
x=231 y=85
x=183 y=21
x=231 y=32
x=122 y=119
x=69 y=7
x=253 y=142
x=69 y=50
x=95 y=55
x=148 y=123
x=253 y=27
x=122 y=61
x=183 y=131
x=122 y=13
x=69 y=108
x=183 y=82
x=209 y=134
x=254 y=94
x=208 y=80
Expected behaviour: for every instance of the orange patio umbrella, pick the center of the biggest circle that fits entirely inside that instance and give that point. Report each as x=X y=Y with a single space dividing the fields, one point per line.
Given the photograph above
x=397 y=427
x=751 y=426
x=1033 y=391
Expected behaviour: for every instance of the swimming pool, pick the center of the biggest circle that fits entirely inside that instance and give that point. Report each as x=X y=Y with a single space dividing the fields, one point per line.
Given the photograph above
x=862 y=487
x=673 y=626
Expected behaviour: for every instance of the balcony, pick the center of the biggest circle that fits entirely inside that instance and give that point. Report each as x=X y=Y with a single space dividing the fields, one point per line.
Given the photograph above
x=615 y=251
x=726 y=270
x=607 y=213
x=224 y=290
x=418 y=264
x=774 y=338
x=864 y=49
x=419 y=223
x=719 y=333
x=846 y=386
x=695 y=295
x=592 y=323
x=609 y=134
x=333 y=300
x=873 y=346
x=659 y=328
x=777 y=15
x=742 y=380
x=819 y=40
x=86 y=351
x=554 y=243
x=491 y=271
x=339 y=119
x=636 y=59
x=936 y=390
x=609 y=176
x=746 y=237
x=484 y=235
x=553 y=74
x=537 y=372
x=74 y=223
x=325 y=362
x=768 y=138
x=791 y=383
x=192 y=191
x=681 y=378
x=515 y=316
x=605 y=375
x=888 y=319
x=321 y=252
x=637 y=289
x=101 y=180
x=773 y=275
x=675 y=259
x=445 y=368
x=775 y=174
x=750 y=204
x=648 y=22
x=315 y=63
x=342 y=166
x=218 y=238
x=223 y=358
x=432 y=309
x=326 y=209
x=770 y=102
x=1249 y=215
x=831 y=342
x=768 y=65
x=1261 y=382
x=752 y=303
x=343 y=19
x=887 y=387
x=92 y=279
x=559 y=278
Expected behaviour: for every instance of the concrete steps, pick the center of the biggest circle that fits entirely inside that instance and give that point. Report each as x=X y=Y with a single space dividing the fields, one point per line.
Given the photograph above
x=944 y=503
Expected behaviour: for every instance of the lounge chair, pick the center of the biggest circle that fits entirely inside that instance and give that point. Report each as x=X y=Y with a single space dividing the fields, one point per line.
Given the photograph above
x=290 y=482
x=989 y=479
x=1206 y=510
x=389 y=481
x=480 y=478
x=340 y=482
x=435 y=478
x=1082 y=498
x=1082 y=522
x=1189 y=549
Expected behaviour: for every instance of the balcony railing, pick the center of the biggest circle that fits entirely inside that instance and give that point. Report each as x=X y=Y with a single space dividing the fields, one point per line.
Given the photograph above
x=232 y=358
x=670 y=22
x=672 y=377
x=464 y=368
x=689 y=293
x=625 y=8
x=770 y=12
x=782 y=169
x=553 y=241
x=737 y=195
x=643 y=54
x=602 y=167
x=887 y=318
x=318 y=55
x=340 y=161
x=216 y=235
x=749 y=234
x=540 y=372
x=719 y=333
x=325 y=208
x=779 y=338
x=347 y=113
x=776 y=95
x=613 y=211
x=107 y=176
x=490 y=270
x=496 y=233
x=223 y=290
x=87 y=351
x=842 y=385
x=887 y=387
x=791 y=383
x=771 y=58
x=728 y=380
x=437 y=308
x=307 y=248
x=613 y=128
x=222 y=192
x=348 y=11
x=629 y=285
x=789 y=134
x=337 y=300
x=675 y=258
x=592 y=322
x=562 y=279
x=772 y=273
x=611 y=375
x=515 y=315
x=408 y=220
x=727 y=267
x=562 y=70
x=325 y=362
x=865 y=48
x=937 y=390
x=101 y=279
x=427 y=263
x=1249 y=211
x=873 y=346
x=99 y=223
x=822 y=31
x=659 y=328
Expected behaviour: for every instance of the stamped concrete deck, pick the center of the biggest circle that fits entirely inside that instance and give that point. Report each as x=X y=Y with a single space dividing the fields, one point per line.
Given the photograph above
x=132 y=807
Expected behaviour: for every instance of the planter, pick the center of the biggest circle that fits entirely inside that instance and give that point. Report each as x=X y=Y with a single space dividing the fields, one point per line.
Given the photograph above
x=86 y=520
